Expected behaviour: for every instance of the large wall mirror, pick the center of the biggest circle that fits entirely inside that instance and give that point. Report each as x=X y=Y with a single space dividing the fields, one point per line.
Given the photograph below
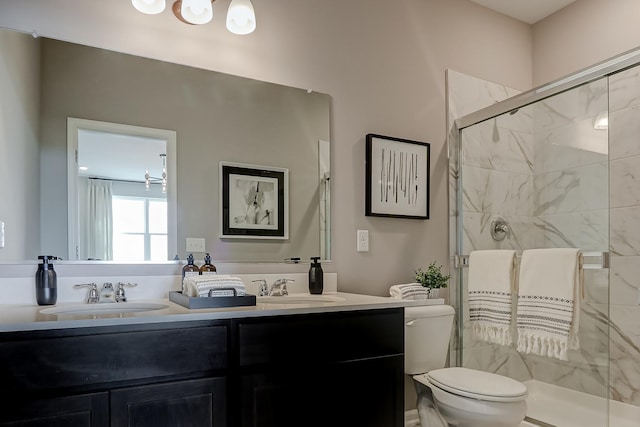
x=127 y=117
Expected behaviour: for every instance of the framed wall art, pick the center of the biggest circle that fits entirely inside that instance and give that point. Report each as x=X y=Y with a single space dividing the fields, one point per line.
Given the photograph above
x=397 y=177
x=254 y=201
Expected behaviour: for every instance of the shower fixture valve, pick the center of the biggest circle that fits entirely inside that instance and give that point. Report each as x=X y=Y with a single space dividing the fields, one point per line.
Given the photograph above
x=499 y=229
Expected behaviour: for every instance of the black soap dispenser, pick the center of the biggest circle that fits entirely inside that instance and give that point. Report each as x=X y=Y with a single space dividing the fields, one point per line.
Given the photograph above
x=315 y=277
x=46 y=281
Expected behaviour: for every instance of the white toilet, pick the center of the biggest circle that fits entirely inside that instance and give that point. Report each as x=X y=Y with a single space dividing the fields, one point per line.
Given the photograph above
x=458 y=397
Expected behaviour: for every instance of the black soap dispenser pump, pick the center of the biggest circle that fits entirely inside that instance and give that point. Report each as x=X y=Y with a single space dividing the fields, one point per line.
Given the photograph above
x=315 y=277
x=46 y=281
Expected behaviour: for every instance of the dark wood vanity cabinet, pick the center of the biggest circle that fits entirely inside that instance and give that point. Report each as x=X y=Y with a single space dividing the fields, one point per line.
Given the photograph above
x=134 y=375
x=343 y=369
x=326 y=369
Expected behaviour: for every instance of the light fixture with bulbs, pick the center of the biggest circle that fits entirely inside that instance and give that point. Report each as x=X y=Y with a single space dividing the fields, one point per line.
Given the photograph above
x=148 y=179
x=241 y=18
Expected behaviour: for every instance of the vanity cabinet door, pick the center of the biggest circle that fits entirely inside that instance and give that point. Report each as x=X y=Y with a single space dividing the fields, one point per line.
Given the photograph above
x=366 y=393
x=88 y=410
x=328 y=369
x=195 y=403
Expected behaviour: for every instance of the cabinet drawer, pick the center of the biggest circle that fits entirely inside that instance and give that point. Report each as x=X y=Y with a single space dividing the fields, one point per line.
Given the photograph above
x=87 y=410
x=43 y=363
x=321 y=338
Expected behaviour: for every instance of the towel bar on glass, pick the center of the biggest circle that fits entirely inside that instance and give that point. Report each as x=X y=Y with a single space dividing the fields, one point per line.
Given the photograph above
x=600 y=262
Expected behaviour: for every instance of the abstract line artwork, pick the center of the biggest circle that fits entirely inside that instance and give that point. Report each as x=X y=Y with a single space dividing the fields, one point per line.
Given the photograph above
x=397 y=177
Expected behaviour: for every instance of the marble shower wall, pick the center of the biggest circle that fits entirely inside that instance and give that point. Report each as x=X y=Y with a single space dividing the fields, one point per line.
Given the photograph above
x=624 y=184
x=498 y=180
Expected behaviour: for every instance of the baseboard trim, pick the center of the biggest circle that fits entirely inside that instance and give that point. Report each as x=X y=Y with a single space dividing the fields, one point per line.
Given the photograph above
x=411 y=418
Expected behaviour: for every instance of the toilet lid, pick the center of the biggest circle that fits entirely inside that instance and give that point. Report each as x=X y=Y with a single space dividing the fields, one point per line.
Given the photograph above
x=478 y=384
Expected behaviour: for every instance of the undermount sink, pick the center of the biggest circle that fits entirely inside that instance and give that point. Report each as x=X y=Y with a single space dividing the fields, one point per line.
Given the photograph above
x=300 y=299
x=103 y=308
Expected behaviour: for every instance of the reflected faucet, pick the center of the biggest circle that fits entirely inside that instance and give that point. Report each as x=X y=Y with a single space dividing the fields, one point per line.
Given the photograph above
x=264 y=290
x=279 y=288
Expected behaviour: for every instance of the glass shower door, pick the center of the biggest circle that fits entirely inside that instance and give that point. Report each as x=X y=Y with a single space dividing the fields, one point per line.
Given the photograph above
x=538 y=177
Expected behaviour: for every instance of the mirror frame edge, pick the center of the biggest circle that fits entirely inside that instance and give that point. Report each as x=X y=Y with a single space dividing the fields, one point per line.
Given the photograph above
x=170 y=136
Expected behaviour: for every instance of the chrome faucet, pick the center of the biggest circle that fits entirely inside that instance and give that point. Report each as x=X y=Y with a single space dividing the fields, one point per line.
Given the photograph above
x=279 y=288
x=264 y=290
x=93 y=296
x=107 y=294
x=120 y=295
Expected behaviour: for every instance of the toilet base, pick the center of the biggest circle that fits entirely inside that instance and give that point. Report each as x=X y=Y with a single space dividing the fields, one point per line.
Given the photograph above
x=434 y=410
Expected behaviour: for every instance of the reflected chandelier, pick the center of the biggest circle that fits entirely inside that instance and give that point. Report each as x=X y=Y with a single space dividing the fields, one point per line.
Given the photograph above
x=148 y=179
x=241 y=19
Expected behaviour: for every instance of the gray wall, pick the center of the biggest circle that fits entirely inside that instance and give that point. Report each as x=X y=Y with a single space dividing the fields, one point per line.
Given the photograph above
x=19 y=159
x=216 y=116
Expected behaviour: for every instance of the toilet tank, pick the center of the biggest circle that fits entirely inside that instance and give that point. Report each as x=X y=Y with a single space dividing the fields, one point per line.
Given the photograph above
x=426 y=341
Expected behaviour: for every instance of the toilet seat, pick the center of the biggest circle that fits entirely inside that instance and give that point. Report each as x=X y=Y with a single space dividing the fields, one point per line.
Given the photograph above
x=477 y=384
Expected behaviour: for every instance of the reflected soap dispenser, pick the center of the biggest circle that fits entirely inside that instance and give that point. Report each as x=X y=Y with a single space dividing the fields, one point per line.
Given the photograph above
x=207 y=268
x=46 y=281
x=190 y=269
x=315 y=277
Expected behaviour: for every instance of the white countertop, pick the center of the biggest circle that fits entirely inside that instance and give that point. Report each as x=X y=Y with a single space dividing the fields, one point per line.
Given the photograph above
x=15 y=317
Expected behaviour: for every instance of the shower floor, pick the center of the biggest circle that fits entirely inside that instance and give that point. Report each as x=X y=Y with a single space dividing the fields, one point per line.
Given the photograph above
x=561 y=407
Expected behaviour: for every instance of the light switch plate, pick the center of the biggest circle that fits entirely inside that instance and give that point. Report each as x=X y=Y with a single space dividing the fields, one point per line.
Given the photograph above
x=1 y=234
x=195 y=244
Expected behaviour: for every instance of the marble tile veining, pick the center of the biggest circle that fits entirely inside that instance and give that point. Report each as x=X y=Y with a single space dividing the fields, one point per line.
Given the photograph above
x=624 y=132
x=625 y=233
x=488 y=190
x=624 y=89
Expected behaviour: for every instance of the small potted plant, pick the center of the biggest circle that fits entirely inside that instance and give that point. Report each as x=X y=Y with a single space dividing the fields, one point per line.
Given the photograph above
x=432 y=278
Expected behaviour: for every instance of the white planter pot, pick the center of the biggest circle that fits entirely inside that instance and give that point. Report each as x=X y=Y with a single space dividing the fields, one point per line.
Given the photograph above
x=439 y=293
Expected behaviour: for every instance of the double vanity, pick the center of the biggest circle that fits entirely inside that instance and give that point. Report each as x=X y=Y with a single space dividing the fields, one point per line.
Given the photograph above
x=299 y=360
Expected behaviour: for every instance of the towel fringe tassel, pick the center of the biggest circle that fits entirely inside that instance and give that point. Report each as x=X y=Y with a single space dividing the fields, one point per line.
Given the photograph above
x=492 y=333
x=545 y=345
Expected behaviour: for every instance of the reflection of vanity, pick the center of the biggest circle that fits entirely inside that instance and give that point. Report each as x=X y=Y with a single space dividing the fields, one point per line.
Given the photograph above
x=286 y=367
x=216 y=117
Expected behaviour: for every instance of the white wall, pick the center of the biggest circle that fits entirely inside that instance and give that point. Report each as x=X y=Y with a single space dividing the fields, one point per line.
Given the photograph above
x=582 y=34
x=382 y=62
x=19 y=182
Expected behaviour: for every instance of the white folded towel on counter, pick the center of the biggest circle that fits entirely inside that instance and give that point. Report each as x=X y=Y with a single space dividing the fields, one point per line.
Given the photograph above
x=411 y=291
x=199 y=286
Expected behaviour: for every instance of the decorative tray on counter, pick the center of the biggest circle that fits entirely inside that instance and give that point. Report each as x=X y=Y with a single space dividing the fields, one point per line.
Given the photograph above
x=211 y=302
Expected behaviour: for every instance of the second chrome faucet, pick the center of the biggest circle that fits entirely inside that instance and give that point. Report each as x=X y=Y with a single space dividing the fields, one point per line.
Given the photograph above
x=107 y=293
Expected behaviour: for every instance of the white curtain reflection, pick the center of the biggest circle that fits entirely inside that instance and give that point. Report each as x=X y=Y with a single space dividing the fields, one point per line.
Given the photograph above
x=99 y=220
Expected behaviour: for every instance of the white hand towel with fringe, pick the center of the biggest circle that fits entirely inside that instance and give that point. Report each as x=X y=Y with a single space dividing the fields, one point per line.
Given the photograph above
x=549 y=301
x=199 y=286
x=491 y=282
x=410 y=291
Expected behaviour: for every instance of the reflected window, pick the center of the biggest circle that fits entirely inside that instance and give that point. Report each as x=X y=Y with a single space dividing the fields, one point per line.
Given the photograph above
x=139 y=229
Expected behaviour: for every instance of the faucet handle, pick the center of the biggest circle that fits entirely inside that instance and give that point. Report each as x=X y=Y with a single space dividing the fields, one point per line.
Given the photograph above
x=282 y=283
x=120 y=295
x=93 y=295
x=264 y=289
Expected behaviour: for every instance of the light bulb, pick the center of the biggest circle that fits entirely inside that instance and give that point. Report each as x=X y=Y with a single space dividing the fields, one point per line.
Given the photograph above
x=150 y=7
x=197 y=11
x=241 y=19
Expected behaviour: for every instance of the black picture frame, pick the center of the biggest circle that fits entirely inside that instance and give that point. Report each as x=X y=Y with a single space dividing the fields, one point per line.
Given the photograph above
x=397 y=177
x=254 y=201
